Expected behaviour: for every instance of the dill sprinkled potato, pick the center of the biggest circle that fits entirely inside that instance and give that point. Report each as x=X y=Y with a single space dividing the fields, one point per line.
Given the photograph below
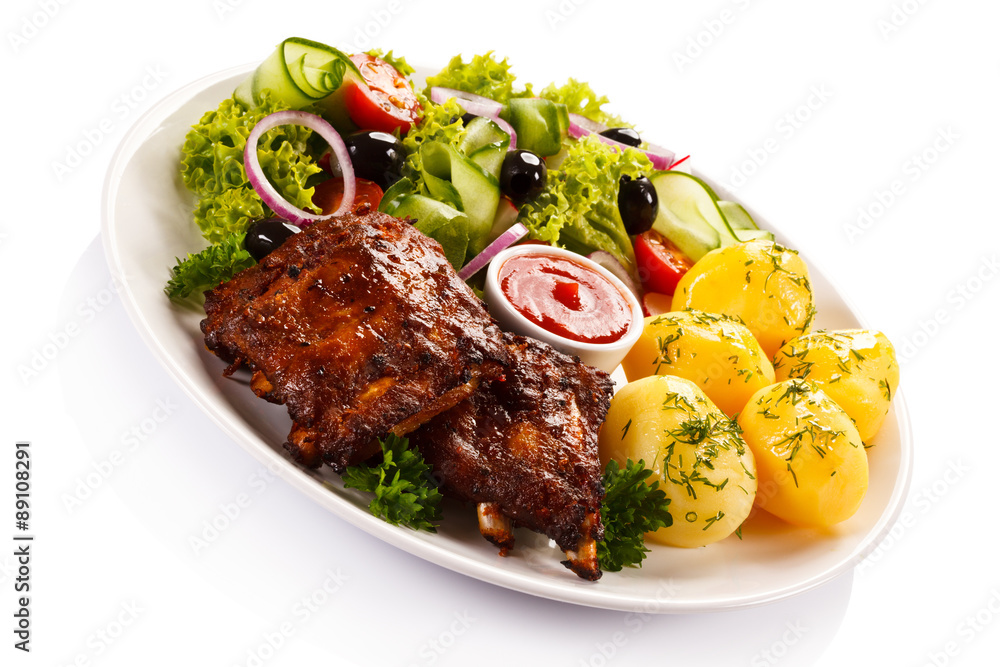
x=855 y=367
x=812 y=469
x=716 y=352
x=764 y=284
x=694 y=450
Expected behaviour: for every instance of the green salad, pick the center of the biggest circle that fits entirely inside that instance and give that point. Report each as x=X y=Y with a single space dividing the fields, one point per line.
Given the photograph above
x=474 y=158
x=451 y=176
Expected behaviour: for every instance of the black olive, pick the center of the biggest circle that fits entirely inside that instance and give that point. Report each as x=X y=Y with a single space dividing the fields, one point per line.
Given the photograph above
x=522 y=175
x=467 y=118
x=265 y=235
x=638 y=204
x=623 y=135
x=376 y=156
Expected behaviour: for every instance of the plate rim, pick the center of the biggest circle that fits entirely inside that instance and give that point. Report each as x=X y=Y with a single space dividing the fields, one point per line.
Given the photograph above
x=583 y=593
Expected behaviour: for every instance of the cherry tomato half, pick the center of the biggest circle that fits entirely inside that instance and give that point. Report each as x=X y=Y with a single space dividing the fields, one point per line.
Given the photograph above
x=387 y=103
x=660 y=263
x=328 y=194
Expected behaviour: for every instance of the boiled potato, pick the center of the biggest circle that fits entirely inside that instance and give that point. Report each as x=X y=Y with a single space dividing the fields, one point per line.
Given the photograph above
x=812 y=469
x=694 y=451
x=855 y=367
x=762 y=283
x=716 y=352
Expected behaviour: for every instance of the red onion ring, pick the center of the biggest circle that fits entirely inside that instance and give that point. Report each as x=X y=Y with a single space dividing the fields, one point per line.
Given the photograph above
x=258 y=180
x=581 y=126
x=477 y=105
x=508 y=238
x=472 y=103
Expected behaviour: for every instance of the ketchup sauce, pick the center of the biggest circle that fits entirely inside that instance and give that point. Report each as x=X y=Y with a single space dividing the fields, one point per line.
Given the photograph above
x=565 y=298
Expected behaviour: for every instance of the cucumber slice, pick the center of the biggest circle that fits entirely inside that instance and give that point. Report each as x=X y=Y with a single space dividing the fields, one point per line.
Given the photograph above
x=319 y=69
x=753 y=235
x=395 y=194
x=464 y=185
x=694 y=240
x=707 y=204
x=485 y=144
x=482 y=132
x=539 y=123
x=298 y=72
x=686 y=205
x=736 y=216
x=692 y=202
x=299 y=60
x=273 y=75
x=439 y=221
x=435 y=161
x=480 y=193
x=490 y=158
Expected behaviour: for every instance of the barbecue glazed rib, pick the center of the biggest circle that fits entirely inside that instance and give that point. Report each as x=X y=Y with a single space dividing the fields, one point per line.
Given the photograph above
x=361 y=327
x=525 y=450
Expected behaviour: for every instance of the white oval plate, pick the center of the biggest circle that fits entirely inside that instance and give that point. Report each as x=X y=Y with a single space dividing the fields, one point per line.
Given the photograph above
x=147 y=223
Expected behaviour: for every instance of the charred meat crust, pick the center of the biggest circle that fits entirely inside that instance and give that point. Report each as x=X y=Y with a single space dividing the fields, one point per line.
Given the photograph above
x=528 y=444
x=359 y=326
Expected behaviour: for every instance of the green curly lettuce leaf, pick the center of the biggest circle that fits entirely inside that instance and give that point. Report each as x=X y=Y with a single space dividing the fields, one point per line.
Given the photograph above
x=229 y=212
x=208 y=268
x=439 y=123
x=212 y=166
x=482 y=75
x=405 y=491
x=579 y=208
x=399 y=62
x=485 y=75
x=631 y=508
x=581 y=99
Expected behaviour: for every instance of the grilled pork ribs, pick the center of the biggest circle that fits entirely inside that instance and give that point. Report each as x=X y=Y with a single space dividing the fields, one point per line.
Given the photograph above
x=525 y=449
x=361 y=328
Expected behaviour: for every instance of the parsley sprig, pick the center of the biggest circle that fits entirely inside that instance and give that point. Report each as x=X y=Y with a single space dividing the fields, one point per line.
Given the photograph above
x=206 y=269
x=631 y=508
x=405 y=491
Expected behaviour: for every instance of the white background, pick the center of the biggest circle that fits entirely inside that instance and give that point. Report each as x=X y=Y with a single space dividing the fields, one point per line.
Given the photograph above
x=115 y=581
